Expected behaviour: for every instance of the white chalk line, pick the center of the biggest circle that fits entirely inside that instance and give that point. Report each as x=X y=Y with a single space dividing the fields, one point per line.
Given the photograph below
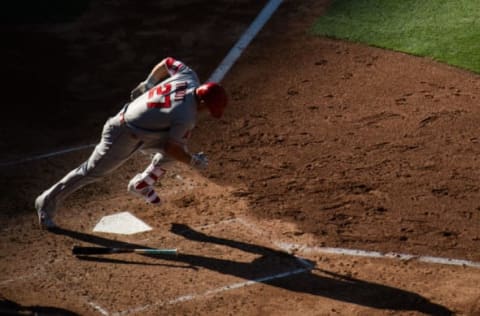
x=194 y=296
x=307 y=266
x=20 y=278
x=279 y=245
x=299 y=248
x=47 y=155
x=245 y=40
x=217 y=76
x=40 y=271
x=289 y=248
x=100 y=309
x=189 y=297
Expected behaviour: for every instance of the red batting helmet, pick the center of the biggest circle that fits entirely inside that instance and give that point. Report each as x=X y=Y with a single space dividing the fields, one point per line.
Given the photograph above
x=214 y=97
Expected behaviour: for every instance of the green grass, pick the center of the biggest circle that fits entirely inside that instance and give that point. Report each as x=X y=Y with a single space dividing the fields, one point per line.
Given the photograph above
x=445 y=30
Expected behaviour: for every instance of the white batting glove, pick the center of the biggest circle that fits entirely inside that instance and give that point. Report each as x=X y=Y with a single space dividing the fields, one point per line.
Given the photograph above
x=199 y=161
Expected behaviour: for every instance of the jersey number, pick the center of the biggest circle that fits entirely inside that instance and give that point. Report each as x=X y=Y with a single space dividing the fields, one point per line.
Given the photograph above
x=163 y=92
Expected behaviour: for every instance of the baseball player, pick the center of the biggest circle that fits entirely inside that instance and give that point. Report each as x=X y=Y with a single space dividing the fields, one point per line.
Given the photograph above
x=158 y=120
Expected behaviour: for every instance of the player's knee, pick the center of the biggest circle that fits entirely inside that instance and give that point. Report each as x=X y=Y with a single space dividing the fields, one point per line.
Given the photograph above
x=89 y=171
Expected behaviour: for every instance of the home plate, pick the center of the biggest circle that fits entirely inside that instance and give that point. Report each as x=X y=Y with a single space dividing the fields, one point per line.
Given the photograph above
x=121 y=223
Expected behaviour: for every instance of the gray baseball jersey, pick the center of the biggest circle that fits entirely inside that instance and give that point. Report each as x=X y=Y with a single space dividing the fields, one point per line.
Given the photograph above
x=167 y=111
x=170 y=106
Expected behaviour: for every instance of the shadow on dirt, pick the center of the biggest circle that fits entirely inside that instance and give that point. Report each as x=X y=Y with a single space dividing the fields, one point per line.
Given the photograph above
x=10 y=308
x=280 y=265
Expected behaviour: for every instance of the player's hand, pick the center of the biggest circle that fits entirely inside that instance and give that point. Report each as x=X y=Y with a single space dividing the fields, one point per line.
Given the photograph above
x=139 y=90
x=199 y=161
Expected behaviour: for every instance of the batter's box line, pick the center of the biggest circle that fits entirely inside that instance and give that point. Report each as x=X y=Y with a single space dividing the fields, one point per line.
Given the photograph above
x=255 y=229
x=98 y=308
x=306 y=267
x=209 y=293
x=305 y=249
x=376 y=254
x=289 y=248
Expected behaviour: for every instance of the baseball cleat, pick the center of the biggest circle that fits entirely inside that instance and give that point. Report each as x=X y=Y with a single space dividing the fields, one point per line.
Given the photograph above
x=45 y=221
x=44 y=217
x=139 y=187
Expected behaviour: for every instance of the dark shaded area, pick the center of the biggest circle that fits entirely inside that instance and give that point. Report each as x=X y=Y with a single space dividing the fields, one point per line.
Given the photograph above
x=36 y=90
x=64 y=78
x=311 y=147
x=303 y=277
x=10 y=308
x=71 y=65
x=96 y=240
x=45 y=11
x=347 y=289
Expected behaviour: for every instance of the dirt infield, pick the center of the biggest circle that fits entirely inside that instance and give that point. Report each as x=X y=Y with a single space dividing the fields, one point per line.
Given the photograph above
x=326 y=145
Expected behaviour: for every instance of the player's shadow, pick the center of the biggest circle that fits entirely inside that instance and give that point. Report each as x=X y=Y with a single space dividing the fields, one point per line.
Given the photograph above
x=8 y=307
x=312 y=281
x=283 y=270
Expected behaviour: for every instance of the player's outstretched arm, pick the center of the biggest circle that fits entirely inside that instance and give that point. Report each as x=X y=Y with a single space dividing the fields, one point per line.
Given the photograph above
x=157 y=74
x=179 y=153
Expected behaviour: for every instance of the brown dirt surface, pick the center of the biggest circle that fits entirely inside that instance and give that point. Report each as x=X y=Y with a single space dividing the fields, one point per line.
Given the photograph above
x=325 y=144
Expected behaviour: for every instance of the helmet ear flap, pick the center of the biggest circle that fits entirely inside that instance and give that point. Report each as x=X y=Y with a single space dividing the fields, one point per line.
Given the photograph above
x=214 y=97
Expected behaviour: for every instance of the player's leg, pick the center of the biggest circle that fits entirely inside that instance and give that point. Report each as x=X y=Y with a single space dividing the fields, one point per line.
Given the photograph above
x=116 y=146
x=142 y=184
